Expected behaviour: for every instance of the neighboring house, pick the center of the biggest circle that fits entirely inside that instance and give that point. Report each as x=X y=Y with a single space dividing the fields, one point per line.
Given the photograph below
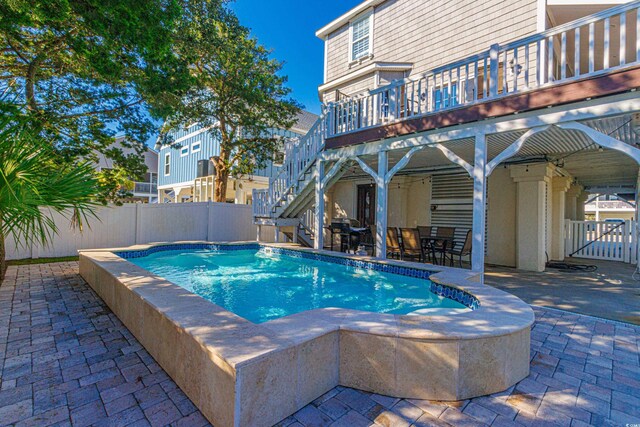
x=186 y=174
x=609 y=208
x=145 y=190
x=498 y=117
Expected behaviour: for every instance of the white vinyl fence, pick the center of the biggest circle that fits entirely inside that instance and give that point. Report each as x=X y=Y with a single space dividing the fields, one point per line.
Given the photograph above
x=130 y=224
x=608 y=240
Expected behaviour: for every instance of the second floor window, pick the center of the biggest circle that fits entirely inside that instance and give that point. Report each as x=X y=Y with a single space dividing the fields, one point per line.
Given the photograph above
x=167 y=163
x=195 y=147
x=360 y=32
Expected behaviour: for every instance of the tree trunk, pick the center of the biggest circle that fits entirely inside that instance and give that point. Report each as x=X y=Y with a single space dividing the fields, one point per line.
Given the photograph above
x=222 y=176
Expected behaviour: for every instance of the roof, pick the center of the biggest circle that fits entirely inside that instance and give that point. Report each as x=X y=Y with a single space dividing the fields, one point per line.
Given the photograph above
x=345 y=18
x=304 y=122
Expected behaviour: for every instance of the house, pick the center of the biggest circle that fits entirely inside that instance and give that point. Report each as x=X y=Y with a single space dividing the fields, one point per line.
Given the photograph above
x=499 y=117
x=609 y=208
x=186 y=174
x=144 y=191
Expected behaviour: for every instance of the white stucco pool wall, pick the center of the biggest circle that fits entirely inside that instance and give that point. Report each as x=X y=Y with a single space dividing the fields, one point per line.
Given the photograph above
x=239 y=373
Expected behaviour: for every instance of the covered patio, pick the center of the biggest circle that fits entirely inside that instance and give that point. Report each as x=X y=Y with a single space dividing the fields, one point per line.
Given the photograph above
x=514 y=181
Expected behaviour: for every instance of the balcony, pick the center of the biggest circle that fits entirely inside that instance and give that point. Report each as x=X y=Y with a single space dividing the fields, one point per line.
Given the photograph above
x=548 y=68
x=147 y=188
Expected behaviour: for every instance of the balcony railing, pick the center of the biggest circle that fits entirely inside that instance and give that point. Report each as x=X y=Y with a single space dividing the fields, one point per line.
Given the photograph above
x=609 y=205
x=300 y=155
x=145 y=187
x=588 y=47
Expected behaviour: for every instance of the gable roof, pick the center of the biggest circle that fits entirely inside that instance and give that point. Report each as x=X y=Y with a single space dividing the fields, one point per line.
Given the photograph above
x=304 y=121
x=346 y=17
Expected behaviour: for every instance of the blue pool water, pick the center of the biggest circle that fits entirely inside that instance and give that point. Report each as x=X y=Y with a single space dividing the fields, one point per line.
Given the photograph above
x=262 y=286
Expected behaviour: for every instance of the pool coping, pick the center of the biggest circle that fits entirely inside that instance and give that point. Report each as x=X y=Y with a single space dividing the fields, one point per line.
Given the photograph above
x=240 y=346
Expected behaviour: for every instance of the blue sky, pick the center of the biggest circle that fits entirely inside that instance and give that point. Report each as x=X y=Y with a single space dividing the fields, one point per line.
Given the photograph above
x=288 y=28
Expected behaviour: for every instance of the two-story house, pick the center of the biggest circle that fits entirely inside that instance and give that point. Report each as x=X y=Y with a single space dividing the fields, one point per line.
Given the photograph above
x=186 y=172
x=142 y=191
x=496 y=118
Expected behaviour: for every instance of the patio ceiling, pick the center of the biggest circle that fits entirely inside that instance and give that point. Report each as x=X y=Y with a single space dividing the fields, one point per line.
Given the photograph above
x=572 y=150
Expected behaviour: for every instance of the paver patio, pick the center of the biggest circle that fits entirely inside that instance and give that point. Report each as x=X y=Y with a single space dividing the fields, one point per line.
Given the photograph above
x=65 y=359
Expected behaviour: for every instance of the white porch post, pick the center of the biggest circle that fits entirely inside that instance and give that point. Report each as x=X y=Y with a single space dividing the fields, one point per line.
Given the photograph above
x=381 y=205
x=318 y=229
x=559 y=188
x=479 y=203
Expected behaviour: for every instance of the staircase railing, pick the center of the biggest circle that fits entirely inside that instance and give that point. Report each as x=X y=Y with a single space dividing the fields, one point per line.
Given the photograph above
x=300 y=154
x=587 y=47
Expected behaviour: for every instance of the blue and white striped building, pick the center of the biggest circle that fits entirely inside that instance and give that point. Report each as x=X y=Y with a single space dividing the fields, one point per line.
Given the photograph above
x=178 y=179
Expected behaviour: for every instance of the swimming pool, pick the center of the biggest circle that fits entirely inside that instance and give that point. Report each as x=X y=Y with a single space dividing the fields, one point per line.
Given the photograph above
x=262 y=284
x=239 y=372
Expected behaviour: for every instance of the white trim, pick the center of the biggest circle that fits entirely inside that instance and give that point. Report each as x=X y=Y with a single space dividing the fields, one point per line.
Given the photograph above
x=586 y=2
x=376 y=66
x=182 y=151
x=541 y=15
x=199 y=144
x=181 y=185
x=326 y=59
x=345 y=18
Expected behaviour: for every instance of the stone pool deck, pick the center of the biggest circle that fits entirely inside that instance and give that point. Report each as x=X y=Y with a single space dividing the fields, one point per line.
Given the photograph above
x=65 y=359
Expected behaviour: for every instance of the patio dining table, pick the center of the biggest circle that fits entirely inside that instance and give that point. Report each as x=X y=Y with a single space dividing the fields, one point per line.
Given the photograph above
x=430 y=241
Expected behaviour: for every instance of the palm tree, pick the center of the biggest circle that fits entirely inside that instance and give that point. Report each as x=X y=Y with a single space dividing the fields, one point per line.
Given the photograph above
x=35 y=183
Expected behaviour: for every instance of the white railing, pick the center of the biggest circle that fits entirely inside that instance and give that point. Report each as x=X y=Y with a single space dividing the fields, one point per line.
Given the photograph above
x=307 y=221
x=609 y=205
x=300 y=154
x=614 y=241
x=578 y=49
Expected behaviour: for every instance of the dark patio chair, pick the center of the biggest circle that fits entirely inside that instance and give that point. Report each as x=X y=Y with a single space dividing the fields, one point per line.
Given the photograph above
x=443 y=242
x=464 y=250
x=425 y=232
x=341 y=229
x=393 y=243
x=369 y=240
x=411 y=245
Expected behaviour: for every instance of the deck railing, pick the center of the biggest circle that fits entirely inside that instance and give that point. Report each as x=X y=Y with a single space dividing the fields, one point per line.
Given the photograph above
x=586 y=47
x=300 y=154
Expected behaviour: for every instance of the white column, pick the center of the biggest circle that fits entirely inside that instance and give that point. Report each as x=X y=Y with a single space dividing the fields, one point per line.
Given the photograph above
x=530 y=214
x=258 y=230
x=571 y=206
x=479 y=204
x=318 y=229
x=277 y=234
x=381 y=205
x=559 y=188
x=580 y=201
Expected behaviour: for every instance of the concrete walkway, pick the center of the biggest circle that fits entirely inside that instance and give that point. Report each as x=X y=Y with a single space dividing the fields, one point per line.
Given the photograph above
x=65 y=359
x=610 y=292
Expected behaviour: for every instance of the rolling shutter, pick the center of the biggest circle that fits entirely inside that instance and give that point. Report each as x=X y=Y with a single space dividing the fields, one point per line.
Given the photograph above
x=452 y=203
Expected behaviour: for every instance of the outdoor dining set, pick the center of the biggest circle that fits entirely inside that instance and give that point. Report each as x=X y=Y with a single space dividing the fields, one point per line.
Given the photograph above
x=432 y=244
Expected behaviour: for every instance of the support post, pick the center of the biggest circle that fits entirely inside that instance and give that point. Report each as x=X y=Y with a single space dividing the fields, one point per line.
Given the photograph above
x=258 y=230
x=277 y=234
x=479 y=203
x=381 y=205
x=318 y=241
x=494 y=64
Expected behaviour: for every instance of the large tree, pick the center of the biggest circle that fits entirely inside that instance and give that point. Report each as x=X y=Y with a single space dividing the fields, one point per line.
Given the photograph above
x=86 y=70
x=237 y=88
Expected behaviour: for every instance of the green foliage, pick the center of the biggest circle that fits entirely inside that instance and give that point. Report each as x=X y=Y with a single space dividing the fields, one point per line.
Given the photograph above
x=236 y=87
x=34 y=183
x=87 y=70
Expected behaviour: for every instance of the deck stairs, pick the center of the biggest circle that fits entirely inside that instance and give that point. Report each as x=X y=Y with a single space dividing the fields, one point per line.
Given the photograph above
x=290 y=199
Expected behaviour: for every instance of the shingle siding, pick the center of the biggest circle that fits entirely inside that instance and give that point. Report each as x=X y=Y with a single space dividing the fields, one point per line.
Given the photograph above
x=431 y=33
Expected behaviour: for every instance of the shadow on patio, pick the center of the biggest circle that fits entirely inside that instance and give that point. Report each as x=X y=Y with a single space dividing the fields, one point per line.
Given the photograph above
x=610 y=292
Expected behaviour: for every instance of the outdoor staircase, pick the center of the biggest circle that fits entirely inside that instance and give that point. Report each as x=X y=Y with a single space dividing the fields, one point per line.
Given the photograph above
x=290 y=199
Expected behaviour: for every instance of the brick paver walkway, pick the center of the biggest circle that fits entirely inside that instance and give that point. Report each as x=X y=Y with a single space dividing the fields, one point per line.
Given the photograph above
x=66 y=359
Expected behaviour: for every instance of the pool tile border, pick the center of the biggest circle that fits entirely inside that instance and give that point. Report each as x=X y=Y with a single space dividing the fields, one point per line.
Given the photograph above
x=449 y=292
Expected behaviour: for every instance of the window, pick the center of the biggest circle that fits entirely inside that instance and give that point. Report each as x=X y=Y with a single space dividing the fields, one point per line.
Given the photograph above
x=360 y=37
x=195 y=147
x=167 y=163
x=184 y=151
x=443 y=99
